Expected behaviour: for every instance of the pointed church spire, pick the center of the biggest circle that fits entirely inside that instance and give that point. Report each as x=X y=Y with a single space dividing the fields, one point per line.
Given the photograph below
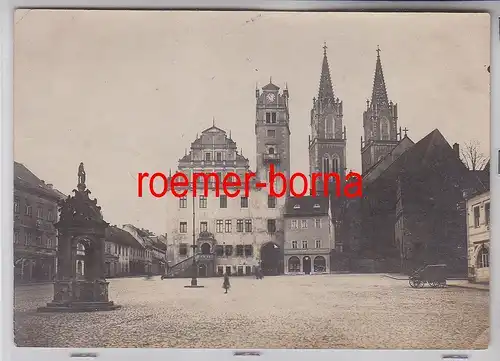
x=379 y=92
x=325 y=82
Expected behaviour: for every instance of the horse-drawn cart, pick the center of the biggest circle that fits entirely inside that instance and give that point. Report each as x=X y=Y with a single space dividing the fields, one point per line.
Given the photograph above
x=434 y=275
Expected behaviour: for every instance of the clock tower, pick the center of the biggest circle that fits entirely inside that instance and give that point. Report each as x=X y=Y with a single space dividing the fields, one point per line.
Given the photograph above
x=272 y=130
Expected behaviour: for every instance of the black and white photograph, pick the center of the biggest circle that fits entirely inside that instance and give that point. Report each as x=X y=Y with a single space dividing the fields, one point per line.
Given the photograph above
x=251 y=180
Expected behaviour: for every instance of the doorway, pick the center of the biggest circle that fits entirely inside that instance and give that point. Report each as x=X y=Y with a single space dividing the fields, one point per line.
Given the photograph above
x=307 y=265
x=202 y=270
x=228 y=270
x=271 y=259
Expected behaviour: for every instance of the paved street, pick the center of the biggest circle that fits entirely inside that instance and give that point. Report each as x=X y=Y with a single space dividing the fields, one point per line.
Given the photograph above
x=330 y=311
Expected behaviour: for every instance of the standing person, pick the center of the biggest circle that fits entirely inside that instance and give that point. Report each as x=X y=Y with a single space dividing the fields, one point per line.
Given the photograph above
x=226 y=285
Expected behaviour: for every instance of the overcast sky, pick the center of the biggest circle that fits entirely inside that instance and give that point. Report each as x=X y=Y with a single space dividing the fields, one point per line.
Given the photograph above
x=127 y=91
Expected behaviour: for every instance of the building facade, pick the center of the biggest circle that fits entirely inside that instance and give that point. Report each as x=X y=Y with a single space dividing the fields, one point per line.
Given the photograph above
x=308 y=235
x=131 y=251
x=478 y=237
x=35 y=237
x=233 y=234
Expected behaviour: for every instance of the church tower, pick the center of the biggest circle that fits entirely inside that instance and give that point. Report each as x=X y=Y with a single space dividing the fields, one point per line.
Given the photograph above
x=327 y=142
x=272 y=130
x=380 y=121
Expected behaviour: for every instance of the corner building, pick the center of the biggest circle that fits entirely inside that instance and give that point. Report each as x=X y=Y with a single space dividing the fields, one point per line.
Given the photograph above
x=308 y=235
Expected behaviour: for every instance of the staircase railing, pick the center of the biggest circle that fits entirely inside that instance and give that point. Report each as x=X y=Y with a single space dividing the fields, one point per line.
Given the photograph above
x=180 y=266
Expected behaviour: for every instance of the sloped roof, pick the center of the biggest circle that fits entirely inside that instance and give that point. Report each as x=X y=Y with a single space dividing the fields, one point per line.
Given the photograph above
x=26 y=178
x=214 y=129
x=271 y=87
x=374 y=171
x=424 y=153
x=122 y=237
x=307 y=206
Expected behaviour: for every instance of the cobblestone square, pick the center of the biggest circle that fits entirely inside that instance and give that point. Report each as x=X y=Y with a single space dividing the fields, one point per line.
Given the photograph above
x=330 y=311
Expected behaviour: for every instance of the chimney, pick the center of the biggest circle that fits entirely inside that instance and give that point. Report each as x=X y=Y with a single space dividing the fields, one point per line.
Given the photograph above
x=456 y=148
x=50 y=186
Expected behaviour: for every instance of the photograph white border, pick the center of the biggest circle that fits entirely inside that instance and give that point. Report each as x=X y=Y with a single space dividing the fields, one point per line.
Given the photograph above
x=11 y=352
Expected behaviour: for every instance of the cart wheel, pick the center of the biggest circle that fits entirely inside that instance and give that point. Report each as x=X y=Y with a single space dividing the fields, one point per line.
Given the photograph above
x=416 y=283
x=434 y=284
x=421 y=284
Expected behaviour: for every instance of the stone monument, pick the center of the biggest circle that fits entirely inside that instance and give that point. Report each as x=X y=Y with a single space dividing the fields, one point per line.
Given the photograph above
x=80 y=223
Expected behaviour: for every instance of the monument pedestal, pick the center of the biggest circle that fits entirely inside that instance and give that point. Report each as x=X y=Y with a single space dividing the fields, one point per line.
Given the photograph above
x=80 y=296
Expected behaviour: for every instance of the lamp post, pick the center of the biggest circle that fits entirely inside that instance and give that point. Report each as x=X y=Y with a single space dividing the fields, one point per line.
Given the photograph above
x=194 y=279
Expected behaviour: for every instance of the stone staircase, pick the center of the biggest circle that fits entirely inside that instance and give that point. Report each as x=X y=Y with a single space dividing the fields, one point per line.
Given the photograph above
x=181 y=269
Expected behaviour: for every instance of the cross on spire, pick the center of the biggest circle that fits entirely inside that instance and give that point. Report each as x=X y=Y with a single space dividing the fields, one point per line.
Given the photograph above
x=378 y=51
x=405 y=130
x=325 y=82
x=213 y=121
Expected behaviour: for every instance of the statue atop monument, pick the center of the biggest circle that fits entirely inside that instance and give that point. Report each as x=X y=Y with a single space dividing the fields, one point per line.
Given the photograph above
x=81 y=177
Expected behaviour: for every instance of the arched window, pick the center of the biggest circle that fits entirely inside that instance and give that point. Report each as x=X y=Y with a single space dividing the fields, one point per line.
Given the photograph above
x=329 y=127
x=326 y=164
x=384 y=129
x=336 y=167
x=483 y=258
x=271 y=150
x=294 y=264
x=319 y=264
x=205 y=248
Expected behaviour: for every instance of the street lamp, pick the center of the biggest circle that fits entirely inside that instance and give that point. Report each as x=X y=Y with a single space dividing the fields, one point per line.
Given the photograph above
x=194 y=279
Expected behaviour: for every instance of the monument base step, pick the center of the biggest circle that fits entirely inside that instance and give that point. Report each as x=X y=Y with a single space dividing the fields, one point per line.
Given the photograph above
x=79 y=307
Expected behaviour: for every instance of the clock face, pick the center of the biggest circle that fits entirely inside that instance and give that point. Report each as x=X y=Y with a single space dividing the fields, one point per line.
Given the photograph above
x=271 y=97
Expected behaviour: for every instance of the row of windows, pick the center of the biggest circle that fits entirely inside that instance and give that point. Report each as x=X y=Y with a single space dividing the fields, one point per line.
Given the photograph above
x=477 y=215
x=240 y=270
x=31 y=240
x=330 y=165
x=271 y=117
x=218 y=156
x=226 y=226
x=126 y=251
x=304 y=223
x=202 y=202
x=28 y=210
x=305 y=244
x=241 y=250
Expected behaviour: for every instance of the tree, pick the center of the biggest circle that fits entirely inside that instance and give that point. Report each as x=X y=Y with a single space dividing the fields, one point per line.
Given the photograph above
x=472 y=156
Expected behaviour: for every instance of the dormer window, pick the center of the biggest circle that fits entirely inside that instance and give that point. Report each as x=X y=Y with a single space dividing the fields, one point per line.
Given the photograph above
x=316 y=206
x=297 y=206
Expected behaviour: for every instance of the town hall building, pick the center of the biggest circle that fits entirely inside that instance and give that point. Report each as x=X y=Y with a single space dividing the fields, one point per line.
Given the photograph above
x=233 y=235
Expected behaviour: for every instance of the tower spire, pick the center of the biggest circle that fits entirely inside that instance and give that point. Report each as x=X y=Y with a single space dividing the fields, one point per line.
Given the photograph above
x=325 y=82
x=379 y=92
